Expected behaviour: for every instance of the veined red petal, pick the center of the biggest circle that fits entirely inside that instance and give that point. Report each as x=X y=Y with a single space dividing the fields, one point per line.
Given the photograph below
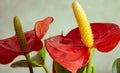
x=70 y=55
x=9 y=49
x=106 y=36
x=33 y=43
x=7 y=56
x=41 y=27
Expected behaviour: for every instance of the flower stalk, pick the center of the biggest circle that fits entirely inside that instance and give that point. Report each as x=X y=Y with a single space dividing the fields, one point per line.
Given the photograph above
x=45 y=68
x=22 y=40
x=90 y=65
x=93 y=68
x=27 y=56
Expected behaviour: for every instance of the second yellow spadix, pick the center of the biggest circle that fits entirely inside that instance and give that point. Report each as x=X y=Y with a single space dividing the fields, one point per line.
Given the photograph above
x=84 y=26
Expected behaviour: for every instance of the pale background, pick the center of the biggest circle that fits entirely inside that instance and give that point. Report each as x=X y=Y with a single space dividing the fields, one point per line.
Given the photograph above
x=31 y=11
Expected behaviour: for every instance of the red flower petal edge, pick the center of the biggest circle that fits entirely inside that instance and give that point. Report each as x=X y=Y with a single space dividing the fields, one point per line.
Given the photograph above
x=106 y=36
x=42 y=27
x=9 y=48
x=71 y=53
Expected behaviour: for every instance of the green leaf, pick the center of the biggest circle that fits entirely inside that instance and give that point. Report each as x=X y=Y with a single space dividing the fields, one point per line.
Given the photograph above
x=116 y=66
x=42 y=53
x=40 y=56
x=59 y=68
x=23 y=63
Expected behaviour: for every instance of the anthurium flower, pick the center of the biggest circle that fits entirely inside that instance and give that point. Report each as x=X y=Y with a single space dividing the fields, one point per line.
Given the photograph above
x=10 y=49
x=72 y=51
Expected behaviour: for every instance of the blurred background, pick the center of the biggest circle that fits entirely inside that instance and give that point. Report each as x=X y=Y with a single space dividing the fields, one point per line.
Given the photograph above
x=31 y=11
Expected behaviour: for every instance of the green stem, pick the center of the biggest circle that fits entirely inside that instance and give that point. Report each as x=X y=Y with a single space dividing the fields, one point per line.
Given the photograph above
x=89 y=67
x=88 y=70
x=27 y=56
x=84 y=71
x=93 y=68
x=45 y=68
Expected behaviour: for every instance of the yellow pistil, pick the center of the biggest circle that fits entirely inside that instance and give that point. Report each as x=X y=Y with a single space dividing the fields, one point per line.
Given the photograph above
x=84 y=26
